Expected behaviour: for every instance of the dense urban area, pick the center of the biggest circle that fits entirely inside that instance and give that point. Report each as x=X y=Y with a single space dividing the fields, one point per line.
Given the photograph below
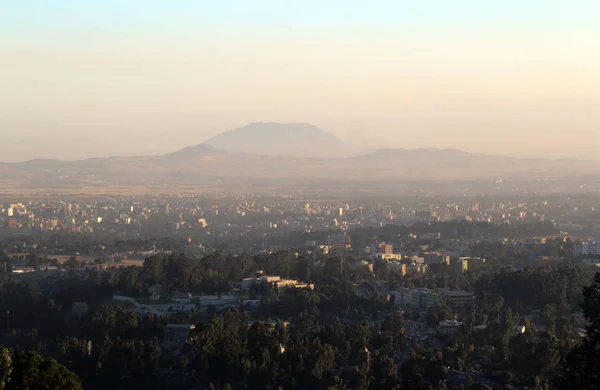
x=186 y=291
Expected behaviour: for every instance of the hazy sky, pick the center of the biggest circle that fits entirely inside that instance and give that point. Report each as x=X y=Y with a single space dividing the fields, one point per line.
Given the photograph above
x=86 y=78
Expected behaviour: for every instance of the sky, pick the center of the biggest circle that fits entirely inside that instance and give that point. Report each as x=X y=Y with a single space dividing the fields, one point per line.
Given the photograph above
x=101 y=78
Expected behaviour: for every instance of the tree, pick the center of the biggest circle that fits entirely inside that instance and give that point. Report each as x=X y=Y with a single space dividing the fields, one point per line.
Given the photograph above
x=582 y=367
x=72 y=262
x=5 y=368
x=32 y=372
x=437 y=313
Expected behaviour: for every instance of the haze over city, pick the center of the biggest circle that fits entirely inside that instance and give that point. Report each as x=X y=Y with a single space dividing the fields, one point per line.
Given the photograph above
x=299 y=194
x=93 y=79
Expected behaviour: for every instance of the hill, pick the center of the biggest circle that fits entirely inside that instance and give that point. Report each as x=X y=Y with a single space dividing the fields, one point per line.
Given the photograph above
x=284 y=139
x=206 y=166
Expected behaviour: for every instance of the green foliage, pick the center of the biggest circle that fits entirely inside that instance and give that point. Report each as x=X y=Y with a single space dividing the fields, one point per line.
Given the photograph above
x=5 y=368
x=582 y=367
x=32 y=372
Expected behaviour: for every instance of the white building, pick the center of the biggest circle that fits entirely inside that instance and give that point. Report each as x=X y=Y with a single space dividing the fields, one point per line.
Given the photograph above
x=388 y=256
x=586 y=249
x=282 y=284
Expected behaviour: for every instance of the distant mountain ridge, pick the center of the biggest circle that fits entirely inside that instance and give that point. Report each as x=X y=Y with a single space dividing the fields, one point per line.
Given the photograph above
x=290 y=152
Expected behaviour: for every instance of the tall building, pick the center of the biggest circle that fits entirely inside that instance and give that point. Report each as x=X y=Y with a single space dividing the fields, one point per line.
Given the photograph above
x=436 y=258
x=388 y=249
x=586 y=249
x=461 y=266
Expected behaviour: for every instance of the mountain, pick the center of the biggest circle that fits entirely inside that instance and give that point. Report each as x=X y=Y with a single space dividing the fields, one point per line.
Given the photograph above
x=285 y=139
x=207 y=166
x=192 y=154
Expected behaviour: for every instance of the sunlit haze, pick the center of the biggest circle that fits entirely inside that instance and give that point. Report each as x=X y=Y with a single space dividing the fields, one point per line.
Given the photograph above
x=90 y=78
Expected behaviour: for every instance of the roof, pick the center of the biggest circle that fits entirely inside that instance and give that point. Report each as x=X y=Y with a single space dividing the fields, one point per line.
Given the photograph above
x=180 y=326
x=457 y=294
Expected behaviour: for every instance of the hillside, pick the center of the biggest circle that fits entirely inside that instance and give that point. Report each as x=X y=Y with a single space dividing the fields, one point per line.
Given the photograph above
x=202 y=161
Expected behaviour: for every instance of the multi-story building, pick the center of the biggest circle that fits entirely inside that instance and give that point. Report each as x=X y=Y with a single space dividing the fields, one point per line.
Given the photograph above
x=436 y=258
x=388 y=256
x=388 y=249
x=416 y=297
x=340 y=240
x=461 y=265
x=456 y=298
x=586 y=249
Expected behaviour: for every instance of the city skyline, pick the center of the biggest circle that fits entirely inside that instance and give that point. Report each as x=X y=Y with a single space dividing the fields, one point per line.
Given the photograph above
x=98 y=79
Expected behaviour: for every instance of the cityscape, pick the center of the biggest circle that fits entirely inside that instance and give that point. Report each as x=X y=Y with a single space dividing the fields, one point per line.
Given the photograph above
x=299 y=195
x=418 y=275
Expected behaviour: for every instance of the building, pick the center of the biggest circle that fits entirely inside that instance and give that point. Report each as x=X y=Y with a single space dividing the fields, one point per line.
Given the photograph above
x=586 y=249
x=416 y=297
x=449 y=327
x=436 y=258
x=178 y=333
x=461 y=265
x=79 y=309
x=388 y=249
x=219 y=302
x=517 y=329
x=340 y=240
x=388 y=256
x=456 y=298
x=396 y=266
x=282 y=284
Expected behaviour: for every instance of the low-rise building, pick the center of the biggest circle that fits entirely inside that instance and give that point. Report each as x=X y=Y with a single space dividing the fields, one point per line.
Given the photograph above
x=449 y=327
x=219 y=302
x=388 y=256
x=282 y=284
